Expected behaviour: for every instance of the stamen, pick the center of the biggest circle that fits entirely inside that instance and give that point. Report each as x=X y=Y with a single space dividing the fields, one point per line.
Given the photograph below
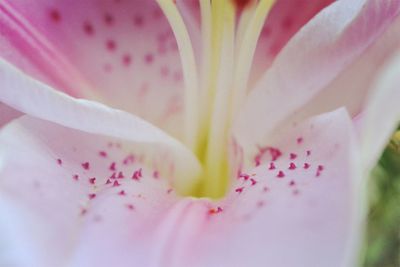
x=246 y=50
x=216 y=165
x=189 y=70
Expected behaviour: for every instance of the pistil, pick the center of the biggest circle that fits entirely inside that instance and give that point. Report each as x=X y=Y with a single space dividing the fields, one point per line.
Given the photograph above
x=212 y=102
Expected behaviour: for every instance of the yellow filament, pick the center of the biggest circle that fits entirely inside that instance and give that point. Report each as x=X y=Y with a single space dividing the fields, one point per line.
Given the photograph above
x=246 y=52
x=216 y=165
x=189 y=71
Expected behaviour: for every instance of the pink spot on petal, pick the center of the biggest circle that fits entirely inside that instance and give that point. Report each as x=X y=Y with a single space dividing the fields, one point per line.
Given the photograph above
x=55 y=15
x=244 y=176
x=88 y=28
x=239 y=190
x=85 y=165
x=122 y=193
x=308 y=152
x=108 y=181
x=116 y=183
x=111 y=45
x=280 y=174
x=137 y=174
x=92 y=180
x=113 y=175
x=271 y=166
x=126 y=60
x=59 y=162
x=112 y=166
x=265 y=189
x=292 y=166
x=92 y=196
x=108 y=19
x=293 y=156
x=149 y=58
x=292 y=183
x=299 y=140
x=130 y=206
x=120 y=175
x=156 y=174
x=75 y=177
x=103 y=154
x=253 y=182
x=306 y=166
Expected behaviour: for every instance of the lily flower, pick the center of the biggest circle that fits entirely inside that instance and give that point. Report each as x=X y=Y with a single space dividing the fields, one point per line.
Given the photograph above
x=192 y=133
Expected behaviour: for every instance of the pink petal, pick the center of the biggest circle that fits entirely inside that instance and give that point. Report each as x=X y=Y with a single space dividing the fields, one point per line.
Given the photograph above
x=7 y=114
x=306 y=223
x=302 y=219
x=38 y=100
x=124 y=49
x=58 y=211
x=335 y=38
x=381 y=114
x=285 y=19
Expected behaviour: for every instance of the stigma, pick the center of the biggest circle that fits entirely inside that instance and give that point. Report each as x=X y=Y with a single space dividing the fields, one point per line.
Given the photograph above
x=216 y=86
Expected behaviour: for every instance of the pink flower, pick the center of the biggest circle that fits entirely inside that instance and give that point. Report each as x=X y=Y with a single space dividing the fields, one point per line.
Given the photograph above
x=220 y=140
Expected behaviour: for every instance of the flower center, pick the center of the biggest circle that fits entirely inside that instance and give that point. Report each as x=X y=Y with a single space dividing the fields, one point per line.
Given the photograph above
x=216 y=86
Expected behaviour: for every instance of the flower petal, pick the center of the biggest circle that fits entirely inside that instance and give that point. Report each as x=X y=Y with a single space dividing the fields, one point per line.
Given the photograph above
x=7 y=114
x=381 y=114
x=308 y=217
x=286 y=18
x=38 y=100
x=329 y=43
x=124 y=49
x=88 y=194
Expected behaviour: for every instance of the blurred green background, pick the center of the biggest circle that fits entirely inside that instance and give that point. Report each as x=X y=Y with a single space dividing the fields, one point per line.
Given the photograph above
x=382 y=248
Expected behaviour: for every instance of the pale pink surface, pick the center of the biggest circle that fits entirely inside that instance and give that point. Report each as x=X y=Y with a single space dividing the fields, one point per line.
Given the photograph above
x=296 y=204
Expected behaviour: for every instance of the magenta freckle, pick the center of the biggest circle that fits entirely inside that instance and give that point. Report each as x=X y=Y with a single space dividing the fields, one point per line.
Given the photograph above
x=75 y=177
x=113 y=175
x=111 y=45
x=138 y=21
x=260 y=204
x=169 y=191
x=244 y=176
x=265 y=189
x=308 y=152
x=103 y=154
x=88 y=28
x=280 y=174
x=292 y=166
x=122 y=193
x=55 y=15
x=130 y=206
x=164 y=71
x=85 y=165
x=112 y=167
x=120 y=175
x=306 y=165
x=295 y=192
x=137 y=174
x=320 y=168
x=126 y=60
x=253 y=182
x=292 y=183
x=128 y=159
x=271 y=166
x=108 y=181
x=108 y=19
x=219 y=209
x=149 y=58
x=293 y=156
x=239 y=190
x=92 y=196
x=299 y=140
x=156 y=174
x=83 y=212
x=92 y=180
x=116 y=183
x=59 y=161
